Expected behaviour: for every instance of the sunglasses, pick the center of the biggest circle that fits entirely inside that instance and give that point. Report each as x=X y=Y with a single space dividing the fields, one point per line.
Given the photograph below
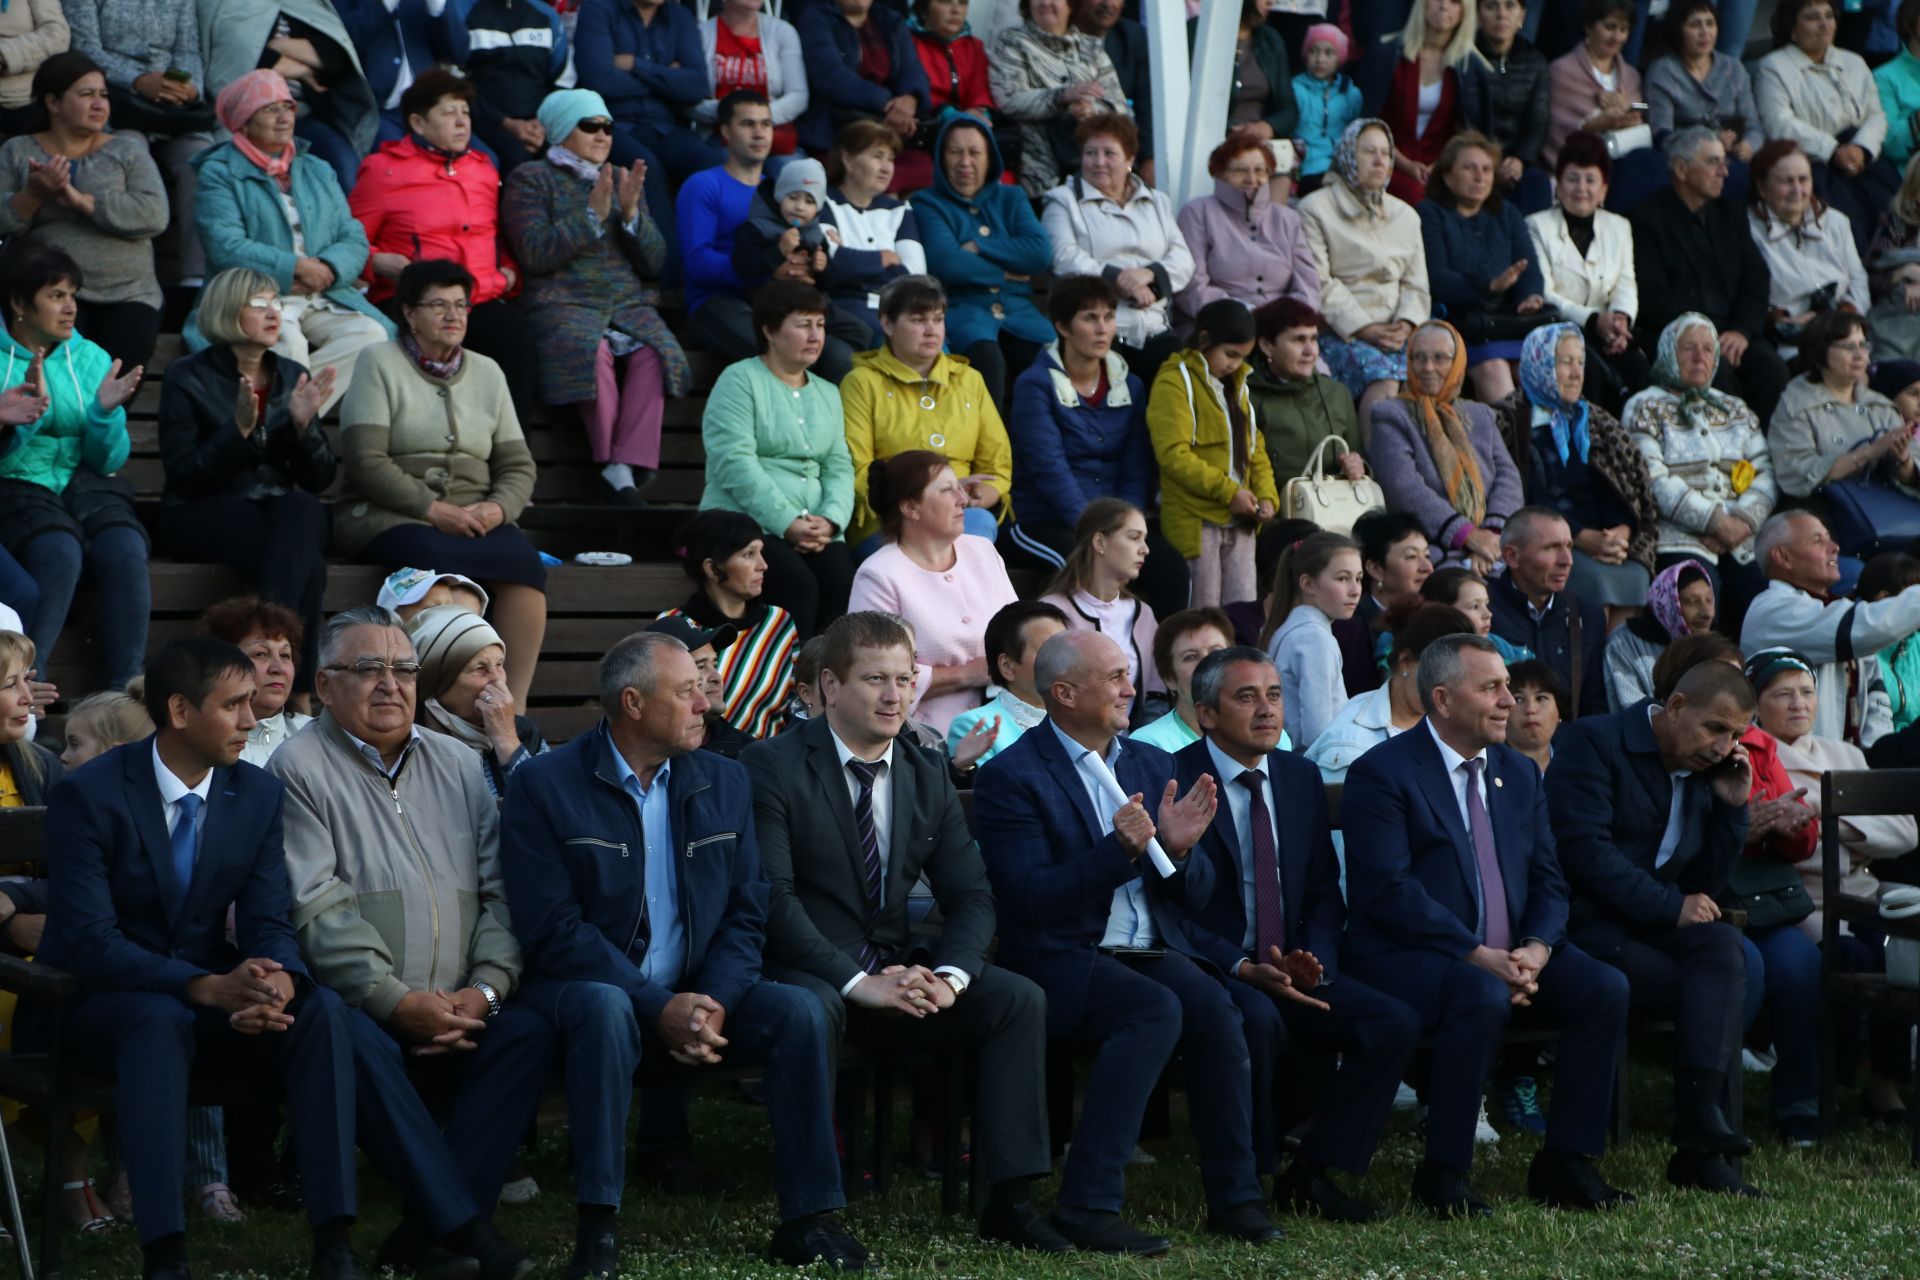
x=595 y=126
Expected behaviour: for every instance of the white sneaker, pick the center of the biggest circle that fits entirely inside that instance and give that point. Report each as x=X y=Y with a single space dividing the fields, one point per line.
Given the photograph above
x=519 y=1191
x=1483 y=1130
x=1762 y=1061
x=1141 y=1156
x=1405 y=1099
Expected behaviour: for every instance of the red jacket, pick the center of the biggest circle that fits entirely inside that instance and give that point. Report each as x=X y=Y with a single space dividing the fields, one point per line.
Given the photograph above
x=1770 y=782
x=420 y=206
x=956 y=72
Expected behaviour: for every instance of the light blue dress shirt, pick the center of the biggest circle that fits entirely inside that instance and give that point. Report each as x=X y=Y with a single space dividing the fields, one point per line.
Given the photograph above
x=1239 y=807
x=666 y=959
x=1129 y=922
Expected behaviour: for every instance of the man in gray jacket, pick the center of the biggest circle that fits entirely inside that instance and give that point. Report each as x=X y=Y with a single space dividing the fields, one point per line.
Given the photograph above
x=393 y=849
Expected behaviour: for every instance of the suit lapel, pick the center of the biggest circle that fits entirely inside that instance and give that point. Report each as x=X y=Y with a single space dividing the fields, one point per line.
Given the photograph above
x=1438 y=789
x=1291 y=852
x=221 y=801
x=1066 y=777
x=825 y=763
x=150 y=819
x=1512 y=834
x=900 y=849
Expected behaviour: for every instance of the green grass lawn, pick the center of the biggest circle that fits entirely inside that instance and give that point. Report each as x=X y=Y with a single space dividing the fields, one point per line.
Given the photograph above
x=1850 y=1211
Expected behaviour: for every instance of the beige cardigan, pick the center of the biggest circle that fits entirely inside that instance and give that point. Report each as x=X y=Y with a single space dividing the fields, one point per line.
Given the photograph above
x=1372 y=266
x=1862 y=839
x=409 y=440
x=31 y=31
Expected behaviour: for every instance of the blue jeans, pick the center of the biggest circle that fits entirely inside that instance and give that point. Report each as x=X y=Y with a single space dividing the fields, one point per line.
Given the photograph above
x=603 y=1041
x=1787 y=964
x=115 y=562
x=18 y=590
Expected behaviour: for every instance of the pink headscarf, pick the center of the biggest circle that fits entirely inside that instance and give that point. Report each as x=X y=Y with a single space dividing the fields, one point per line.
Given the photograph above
x=237 y=104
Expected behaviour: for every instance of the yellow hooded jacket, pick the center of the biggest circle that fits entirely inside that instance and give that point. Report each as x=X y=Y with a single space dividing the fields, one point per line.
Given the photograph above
x=1193 y=441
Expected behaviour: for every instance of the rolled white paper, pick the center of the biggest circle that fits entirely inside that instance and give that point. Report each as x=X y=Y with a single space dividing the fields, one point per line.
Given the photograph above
x=1110 y=788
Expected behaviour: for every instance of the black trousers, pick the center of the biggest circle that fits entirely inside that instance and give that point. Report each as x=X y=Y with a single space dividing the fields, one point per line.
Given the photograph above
x=1697 y=976
x=1145 y=361
x=813 y=587
x=1164 y=582
x=724 y=324
x=280 y=542
x=999 y=362
x=124 y=330
x=1759 y=380
x=1003 y=1017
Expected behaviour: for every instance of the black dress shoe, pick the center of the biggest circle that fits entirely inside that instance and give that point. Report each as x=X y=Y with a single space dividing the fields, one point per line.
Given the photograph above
x=625 y=496
x=1309 y=1192
x=498 y=1257
x=1692 y=1172
x=1562 y=1180
x=335 y=1264
x=817 y=1238
x=1446 y=1192
x=1022 y=1227
x=1248 y=1222
x=412 y=1251
x=596 y=1256
x=1098 y=1232
x=1703 y=1130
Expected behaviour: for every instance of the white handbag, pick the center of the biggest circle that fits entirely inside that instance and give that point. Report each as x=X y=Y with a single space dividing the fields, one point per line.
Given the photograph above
x=1903 y=954
x=1332 y=502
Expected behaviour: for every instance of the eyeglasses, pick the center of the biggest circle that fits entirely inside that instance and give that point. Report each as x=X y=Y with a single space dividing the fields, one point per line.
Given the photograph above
x=446 y=306
x=264 y=303
x=285 y=107
x=1858 y=347
x=403 y=672
x=595 y=126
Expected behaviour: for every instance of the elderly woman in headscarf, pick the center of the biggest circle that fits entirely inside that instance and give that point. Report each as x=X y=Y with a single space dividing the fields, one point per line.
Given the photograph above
x=1575 y=457
x=1440 y=458
x=315 y=252
x=1707 y=456
x=1680 y=602
x=1372 y=263
x=464 y=694
x=581 y=231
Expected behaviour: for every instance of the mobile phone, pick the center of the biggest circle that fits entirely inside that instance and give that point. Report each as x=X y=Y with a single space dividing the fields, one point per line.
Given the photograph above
x=176 y=75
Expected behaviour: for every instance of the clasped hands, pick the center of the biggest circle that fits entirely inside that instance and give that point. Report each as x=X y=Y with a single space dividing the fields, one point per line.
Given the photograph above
x=440 y=1022
x=1286 y=976
x=908 y=990
x=254 y=995
x=1519 y=968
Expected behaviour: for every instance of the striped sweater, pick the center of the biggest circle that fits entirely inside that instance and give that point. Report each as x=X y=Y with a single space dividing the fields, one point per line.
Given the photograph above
x=756 y=670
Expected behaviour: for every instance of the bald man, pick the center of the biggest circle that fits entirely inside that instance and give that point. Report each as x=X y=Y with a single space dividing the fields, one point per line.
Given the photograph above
x=1086 y=842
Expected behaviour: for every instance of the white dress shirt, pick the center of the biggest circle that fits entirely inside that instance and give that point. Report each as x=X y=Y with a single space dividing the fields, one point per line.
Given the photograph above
x=882 y=803
x=1676 y=810
x=1129 y=921
x=1227 y=773
x=172 y=790
x=1457 y=777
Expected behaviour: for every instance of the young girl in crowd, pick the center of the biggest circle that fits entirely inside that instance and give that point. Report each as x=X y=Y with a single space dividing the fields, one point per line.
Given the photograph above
x=1329 y=101
x=1466 y=591
x=1094 y=590
x=1317 y=584
x=1216 y=485
x=1539 y=705
x=100 y=722
x=1888 y=574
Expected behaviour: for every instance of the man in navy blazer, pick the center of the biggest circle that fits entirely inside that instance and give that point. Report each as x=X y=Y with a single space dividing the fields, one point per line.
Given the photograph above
x=1282 y=880
x=1458 y=909
x=1650 y=808
x=1087 y=849
x=150 y=845
x=640 y=903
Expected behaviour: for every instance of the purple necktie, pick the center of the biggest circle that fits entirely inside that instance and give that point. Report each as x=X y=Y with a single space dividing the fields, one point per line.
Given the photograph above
x=1269 y=914
x=1494 y=929
x=864 y=773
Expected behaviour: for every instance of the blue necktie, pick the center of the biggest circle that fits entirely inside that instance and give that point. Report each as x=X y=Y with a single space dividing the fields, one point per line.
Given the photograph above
x=185 y=844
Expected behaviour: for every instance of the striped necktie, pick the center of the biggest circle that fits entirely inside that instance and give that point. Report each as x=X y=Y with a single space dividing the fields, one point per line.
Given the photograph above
x=864 y=773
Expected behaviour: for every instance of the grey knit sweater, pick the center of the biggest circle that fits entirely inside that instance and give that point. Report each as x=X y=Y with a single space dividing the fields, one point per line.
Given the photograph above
x=115 y=243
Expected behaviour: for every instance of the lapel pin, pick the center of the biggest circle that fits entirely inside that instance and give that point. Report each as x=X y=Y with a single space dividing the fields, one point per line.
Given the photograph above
x=1499 y=782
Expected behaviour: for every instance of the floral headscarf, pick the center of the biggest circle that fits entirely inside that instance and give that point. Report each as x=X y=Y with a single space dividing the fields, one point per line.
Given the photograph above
x=1666 y=370
x=1453 y=455
x=1663 y=597
x=1538 y=356
x=1346 y=158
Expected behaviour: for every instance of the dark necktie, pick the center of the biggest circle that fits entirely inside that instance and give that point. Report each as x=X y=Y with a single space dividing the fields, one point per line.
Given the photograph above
x=184 y=844
x=864 y=773
x=1269 y=912
x=1494 y=929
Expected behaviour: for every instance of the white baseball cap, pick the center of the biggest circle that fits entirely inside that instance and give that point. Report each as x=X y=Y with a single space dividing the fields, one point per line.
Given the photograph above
x=409 y=586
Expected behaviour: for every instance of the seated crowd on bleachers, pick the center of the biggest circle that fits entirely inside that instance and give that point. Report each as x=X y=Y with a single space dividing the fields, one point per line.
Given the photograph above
x=1518 y=435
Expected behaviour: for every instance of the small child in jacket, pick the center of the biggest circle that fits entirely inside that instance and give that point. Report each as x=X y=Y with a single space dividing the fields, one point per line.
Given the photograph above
x=1329 y=101
x=784 y=226
x=1216 y=484
x=1318 y=583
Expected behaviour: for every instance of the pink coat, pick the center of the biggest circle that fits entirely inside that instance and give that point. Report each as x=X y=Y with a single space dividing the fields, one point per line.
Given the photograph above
x=1573 y=95
x=1250 y=254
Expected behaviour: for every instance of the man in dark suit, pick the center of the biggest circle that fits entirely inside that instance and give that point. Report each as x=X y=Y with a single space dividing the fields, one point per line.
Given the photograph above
x=1459 y=910
x=1534 y=608
x=848 y=824
x=1087 y=848
x=638 y=897
x=1649 y=806
x=1274 y=926
x=156 y=841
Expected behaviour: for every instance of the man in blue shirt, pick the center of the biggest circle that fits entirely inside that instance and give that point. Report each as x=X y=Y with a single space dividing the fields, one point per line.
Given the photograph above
x=640 y=903
x=644 y=57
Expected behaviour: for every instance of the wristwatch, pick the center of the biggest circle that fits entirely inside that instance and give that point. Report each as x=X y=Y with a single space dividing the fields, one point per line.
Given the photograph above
x=492 y=995
x=957 y=988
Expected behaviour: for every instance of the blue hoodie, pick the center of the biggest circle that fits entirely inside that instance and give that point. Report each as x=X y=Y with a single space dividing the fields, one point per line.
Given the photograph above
x=1327 y=107
x=1000 y=223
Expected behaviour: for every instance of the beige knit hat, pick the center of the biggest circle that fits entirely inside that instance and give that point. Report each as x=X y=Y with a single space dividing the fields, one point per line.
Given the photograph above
x=445 y=639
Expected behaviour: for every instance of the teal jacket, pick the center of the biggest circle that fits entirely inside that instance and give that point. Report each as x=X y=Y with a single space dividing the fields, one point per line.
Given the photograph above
x=1899 y=85
x=774 y=456
x=75 y=431
x=243 y=224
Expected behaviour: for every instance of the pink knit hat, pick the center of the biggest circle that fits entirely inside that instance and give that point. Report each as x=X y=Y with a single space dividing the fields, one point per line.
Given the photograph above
x=252 y=91
x=1332 y=35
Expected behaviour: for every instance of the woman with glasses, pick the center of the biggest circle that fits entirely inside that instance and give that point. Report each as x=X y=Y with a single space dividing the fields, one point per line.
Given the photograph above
x=244 y=454
x=580 y=229
x=1830 y=425
x=267 y=204
x=437 y=469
